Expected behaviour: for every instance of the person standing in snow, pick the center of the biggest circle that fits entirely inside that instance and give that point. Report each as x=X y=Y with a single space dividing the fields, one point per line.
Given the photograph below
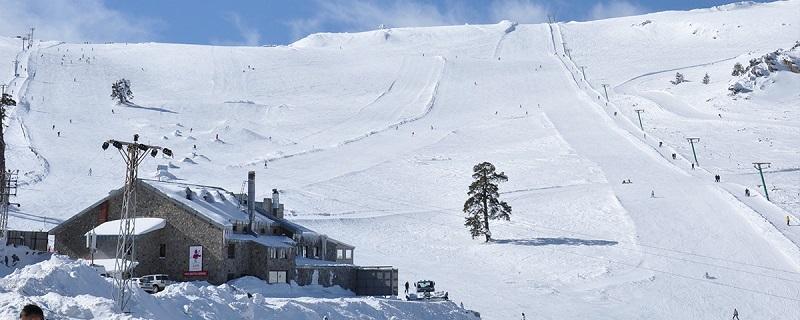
x=735 y=314
x=674 y=156
x=746 y=192
x=692 y=166
x=523 y=316
x=716 y=178
x=652 y=193
x=406 y=287
x=788 y=220
x=90 y=172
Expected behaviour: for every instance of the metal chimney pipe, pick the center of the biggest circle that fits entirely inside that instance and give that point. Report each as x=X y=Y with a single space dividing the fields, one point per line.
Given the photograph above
x=275 y=201
x=251 y=199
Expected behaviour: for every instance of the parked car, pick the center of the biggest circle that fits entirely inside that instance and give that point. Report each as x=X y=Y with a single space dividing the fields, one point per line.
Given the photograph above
x=154 y=282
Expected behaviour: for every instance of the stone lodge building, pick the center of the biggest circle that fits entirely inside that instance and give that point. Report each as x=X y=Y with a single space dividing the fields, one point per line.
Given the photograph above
x=195 y=232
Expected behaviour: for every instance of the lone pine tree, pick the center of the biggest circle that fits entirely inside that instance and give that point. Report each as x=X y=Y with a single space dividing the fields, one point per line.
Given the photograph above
x=121 y=90
x=483 y=203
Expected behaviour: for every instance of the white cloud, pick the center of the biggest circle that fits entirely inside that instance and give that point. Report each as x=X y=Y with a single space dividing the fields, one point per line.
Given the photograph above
x=522 y=11
x=613 y=9
x=360 y=15
x=73 y=21
x=250 y=36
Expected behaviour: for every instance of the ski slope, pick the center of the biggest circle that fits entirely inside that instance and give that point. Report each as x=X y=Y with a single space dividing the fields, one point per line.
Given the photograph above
x=371 y=138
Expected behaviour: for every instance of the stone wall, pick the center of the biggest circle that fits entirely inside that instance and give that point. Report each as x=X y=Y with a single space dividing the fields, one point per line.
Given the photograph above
x=183 y=229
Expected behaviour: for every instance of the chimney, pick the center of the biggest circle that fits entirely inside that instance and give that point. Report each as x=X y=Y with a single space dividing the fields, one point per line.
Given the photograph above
x=251 y=199
x=275 y=198
x=277 y=206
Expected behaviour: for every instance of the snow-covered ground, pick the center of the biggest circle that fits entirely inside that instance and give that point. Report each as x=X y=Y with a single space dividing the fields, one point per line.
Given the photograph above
x=70 y=289
x=371 y=138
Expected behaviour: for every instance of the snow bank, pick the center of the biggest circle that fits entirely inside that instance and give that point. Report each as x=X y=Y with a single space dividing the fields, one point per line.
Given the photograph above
x=67 y=289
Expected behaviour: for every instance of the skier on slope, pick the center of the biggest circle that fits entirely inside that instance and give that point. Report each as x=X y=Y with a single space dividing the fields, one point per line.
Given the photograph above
x=735 y=314
x=746 y=192
x=652 y=193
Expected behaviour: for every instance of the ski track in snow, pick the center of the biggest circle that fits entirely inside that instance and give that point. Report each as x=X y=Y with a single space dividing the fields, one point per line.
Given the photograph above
x=766 y=218
x=428 y=108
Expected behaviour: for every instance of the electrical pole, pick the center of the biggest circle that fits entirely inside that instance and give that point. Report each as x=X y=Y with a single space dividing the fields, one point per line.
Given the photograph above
x=605 y=85
x=133 y=153
x=639 y=114
x=758 y=165
x=583 y=71
x=16 y=67
x=692 y=141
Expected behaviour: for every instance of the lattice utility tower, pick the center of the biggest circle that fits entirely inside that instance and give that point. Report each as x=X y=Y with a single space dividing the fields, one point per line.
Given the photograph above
x=9 y=189
x=133 y=153
x=6 y=180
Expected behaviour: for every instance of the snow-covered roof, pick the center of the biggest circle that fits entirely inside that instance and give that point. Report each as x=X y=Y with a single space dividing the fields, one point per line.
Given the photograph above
x=214 y=203
x=141 y=226
x=269 y=241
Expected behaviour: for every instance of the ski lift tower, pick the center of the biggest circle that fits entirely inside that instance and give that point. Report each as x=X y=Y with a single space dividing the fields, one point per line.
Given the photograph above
x=133 y=153
x=9 y=189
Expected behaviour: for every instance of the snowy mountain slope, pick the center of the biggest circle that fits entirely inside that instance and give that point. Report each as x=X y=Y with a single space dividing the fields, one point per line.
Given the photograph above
x=371 y=138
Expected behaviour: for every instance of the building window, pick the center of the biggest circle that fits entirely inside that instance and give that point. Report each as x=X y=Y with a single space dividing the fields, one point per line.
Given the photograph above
x=162 y=250
x=339 y=254
x=281 y=253
x=348 y=254
x=277 y=277
x=314 y=252
x=271 y=252
x=231 y=251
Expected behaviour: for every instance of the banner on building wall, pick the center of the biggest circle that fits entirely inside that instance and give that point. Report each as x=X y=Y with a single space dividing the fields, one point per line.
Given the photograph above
x=195 y=258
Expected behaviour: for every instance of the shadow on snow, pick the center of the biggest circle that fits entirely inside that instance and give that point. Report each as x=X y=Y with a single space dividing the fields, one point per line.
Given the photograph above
x=555 y=242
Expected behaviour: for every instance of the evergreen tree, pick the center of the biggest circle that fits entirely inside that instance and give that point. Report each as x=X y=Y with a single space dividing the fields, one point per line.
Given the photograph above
x=678 y=78
x=121 y=90
x=706 y=79
x=483 y=203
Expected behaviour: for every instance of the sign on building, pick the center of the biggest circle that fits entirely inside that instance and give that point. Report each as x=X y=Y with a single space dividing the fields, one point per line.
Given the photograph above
x=195 y=258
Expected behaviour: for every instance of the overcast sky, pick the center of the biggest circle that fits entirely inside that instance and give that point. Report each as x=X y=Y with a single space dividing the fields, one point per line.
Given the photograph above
x=260 y=22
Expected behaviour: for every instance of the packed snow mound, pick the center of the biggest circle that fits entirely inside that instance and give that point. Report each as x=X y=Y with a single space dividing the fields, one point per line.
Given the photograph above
x=288 y=290
x=68 y=289
x=60 y=275
x=15 y=257
x=762 y=72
